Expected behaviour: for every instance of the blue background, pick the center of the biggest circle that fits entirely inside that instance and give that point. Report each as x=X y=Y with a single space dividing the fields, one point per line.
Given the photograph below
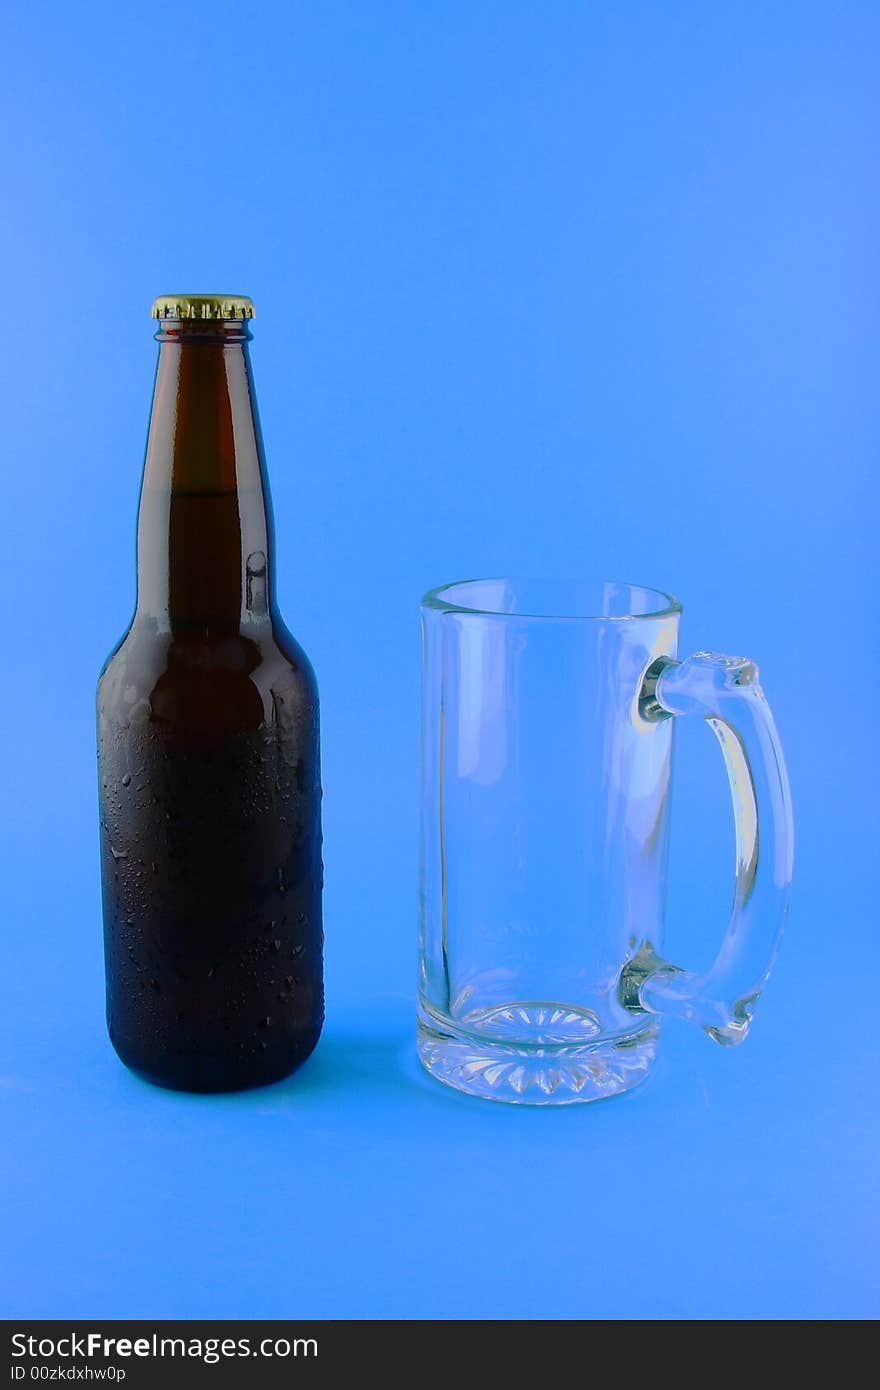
x=548 y=288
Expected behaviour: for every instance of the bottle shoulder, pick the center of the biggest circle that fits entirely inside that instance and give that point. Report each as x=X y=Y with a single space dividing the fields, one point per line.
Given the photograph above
x=205 y=680
x=293 y=653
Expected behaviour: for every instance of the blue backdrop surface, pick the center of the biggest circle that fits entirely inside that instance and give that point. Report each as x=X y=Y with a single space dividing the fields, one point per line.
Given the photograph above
x=562 y=288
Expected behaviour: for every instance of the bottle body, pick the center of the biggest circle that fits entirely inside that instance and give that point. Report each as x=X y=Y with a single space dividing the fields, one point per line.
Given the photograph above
x=209 y=767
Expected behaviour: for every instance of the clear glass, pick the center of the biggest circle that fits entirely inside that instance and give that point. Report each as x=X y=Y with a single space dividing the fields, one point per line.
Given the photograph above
x=547 y=739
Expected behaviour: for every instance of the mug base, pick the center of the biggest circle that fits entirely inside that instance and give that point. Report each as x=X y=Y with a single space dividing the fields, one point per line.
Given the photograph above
x=538 y=1075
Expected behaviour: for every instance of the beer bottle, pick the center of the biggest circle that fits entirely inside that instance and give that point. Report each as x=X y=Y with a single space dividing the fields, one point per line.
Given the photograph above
x=208 y=761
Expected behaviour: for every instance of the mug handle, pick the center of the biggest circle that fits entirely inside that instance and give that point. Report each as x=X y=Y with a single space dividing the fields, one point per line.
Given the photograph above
x=724 y=690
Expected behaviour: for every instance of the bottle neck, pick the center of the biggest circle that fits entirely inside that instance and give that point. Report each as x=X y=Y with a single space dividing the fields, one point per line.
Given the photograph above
x=205 y=524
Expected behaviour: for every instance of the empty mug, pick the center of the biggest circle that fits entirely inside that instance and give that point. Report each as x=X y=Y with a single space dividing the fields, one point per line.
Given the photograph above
x=548 y=719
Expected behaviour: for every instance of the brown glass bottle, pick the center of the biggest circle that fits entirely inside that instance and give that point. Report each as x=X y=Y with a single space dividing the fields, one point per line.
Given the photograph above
x=208 y=759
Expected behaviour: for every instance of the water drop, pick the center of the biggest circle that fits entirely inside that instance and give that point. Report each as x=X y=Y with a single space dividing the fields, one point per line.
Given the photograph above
x=126 y=781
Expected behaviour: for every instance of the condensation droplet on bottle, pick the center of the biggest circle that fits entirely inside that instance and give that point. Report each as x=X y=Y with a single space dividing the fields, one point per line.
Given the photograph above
x=255 y=570
x=126 y=780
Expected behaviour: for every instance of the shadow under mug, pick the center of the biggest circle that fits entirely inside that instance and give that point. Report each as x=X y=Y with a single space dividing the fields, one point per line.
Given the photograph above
x=548 y=718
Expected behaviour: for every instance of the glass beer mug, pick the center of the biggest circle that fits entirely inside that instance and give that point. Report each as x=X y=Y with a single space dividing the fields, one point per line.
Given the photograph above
x=548 y=717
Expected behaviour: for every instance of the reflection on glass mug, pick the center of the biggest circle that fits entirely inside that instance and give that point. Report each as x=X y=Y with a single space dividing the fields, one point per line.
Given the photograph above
x=548 y=717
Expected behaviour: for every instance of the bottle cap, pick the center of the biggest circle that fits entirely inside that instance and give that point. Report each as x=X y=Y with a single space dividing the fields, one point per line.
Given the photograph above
x=203 y=306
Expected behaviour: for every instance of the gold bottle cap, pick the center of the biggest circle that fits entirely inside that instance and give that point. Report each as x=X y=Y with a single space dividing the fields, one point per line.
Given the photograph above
x=203 y=306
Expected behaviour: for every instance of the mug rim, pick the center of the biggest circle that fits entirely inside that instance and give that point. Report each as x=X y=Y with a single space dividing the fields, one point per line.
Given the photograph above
x=657 y=603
